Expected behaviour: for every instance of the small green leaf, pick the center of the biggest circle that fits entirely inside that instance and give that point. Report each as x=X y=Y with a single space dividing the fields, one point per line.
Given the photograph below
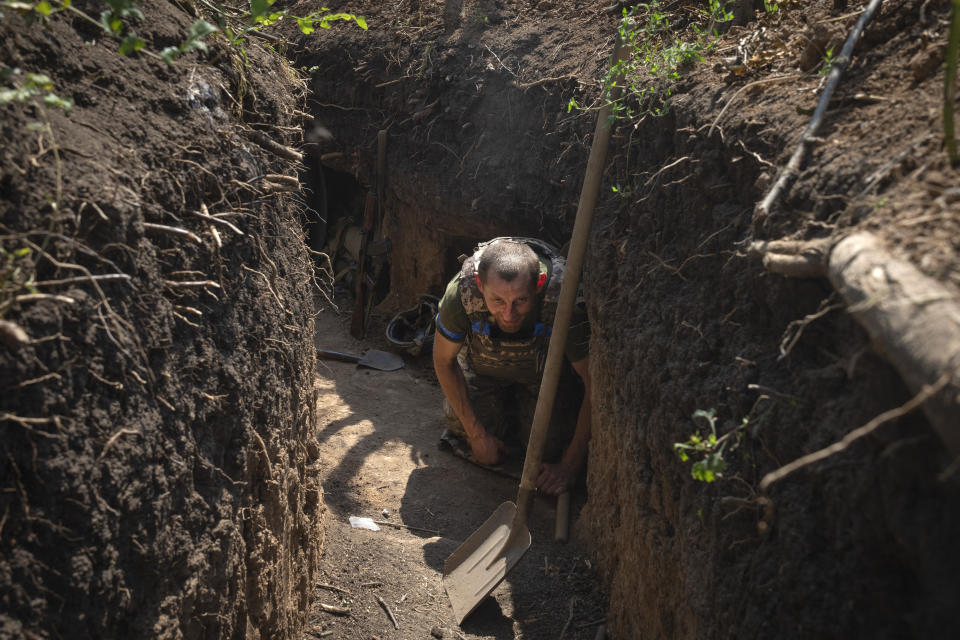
x=21 y=252
x=131 y=44
x=52 y=100
x=306 y=25
x=201 y=29
x=361 y=22
x=169 y=54
x=43 y=8
x=40 y=81
x=259 y=7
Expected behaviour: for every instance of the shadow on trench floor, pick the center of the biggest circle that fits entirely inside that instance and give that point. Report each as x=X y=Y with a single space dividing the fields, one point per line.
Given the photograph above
x=379 y=459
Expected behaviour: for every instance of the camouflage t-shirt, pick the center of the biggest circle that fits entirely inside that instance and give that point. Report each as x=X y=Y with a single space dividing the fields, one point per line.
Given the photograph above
x=453 y=322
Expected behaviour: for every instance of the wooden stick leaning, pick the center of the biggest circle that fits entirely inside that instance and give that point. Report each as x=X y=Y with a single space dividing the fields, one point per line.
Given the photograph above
x=839 y=65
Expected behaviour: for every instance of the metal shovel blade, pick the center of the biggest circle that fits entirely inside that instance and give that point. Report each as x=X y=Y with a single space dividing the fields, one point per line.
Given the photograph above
x=478 y=565
x=382 y=360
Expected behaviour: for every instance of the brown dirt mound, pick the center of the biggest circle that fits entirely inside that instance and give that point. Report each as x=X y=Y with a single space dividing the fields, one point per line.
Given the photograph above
x=155 y=434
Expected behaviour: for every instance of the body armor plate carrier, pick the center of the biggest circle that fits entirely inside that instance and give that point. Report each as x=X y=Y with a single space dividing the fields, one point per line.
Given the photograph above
x=518 y=360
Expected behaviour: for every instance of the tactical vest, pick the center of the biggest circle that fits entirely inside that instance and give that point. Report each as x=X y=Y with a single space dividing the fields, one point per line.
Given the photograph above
x=518 y=360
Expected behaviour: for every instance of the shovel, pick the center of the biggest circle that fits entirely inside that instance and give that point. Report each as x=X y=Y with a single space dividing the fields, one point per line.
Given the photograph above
x=382 y=360
x=478 y=565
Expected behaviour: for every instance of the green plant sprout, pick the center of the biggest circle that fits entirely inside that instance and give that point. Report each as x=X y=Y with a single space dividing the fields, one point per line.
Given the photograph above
x=709 y=449
x=771 y=6
x=198 y=31
x=33 y=85
x=16 y=272
x=827 y=62
x=718 y=10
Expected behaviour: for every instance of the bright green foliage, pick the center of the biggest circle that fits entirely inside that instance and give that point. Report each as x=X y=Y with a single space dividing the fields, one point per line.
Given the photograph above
x=718 y=9
x=708 y=450
x=198 y=31
x=113 y=21
x=34 y=85
x=771 y=6
x=827 y=62
x=659 y=53
x=309 y=23
x=261 y=15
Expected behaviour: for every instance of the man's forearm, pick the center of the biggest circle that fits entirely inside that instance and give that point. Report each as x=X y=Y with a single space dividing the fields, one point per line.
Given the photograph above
x=576 y=453
x=454 y=387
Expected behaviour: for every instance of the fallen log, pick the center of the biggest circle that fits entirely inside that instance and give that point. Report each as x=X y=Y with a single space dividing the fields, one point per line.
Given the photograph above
x=913 y=320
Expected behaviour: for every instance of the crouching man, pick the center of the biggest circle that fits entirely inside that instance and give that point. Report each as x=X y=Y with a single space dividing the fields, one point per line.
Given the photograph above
x=493 y=330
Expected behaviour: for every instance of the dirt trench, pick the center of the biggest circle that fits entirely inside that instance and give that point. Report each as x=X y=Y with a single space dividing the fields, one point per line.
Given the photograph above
x=258 y=455
x=476 y=100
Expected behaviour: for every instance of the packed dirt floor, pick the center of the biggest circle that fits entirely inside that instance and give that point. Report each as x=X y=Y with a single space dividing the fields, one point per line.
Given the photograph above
x=379 y=458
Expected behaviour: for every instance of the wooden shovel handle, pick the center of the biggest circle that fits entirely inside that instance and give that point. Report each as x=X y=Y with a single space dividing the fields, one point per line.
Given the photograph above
x=568 y=294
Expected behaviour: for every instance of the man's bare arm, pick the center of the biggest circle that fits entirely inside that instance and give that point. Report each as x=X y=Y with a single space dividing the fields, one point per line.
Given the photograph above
x=556 y=478
x=486 y=448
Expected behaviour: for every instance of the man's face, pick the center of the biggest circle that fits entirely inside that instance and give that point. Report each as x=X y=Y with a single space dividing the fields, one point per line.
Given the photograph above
x=509 y=302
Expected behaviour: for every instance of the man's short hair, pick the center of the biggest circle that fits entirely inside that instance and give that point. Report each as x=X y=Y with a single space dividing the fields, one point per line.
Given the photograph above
x=508 y=259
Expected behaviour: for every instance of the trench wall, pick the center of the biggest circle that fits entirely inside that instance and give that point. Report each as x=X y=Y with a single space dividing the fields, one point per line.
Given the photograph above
x=156 y=435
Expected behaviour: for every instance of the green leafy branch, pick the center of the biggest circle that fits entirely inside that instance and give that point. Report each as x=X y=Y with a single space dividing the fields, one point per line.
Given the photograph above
x=708 y=450
x=115 y=21
x=34 y=85
x=658 y=56
x=198 y=31
x=262 y=15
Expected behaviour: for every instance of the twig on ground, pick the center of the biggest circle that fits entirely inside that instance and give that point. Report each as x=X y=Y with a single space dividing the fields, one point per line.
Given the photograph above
x=563 y=632
x=386 y=607
x=406 y=526
x=329 y=608
x=330 y=587
x=509 y=70
x=114 y=438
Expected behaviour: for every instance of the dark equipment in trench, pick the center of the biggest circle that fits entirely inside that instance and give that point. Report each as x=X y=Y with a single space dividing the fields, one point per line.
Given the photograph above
x=372 y=358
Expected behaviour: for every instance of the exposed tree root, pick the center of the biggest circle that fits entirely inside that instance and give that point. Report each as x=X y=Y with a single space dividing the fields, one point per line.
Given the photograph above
x=914 y=321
